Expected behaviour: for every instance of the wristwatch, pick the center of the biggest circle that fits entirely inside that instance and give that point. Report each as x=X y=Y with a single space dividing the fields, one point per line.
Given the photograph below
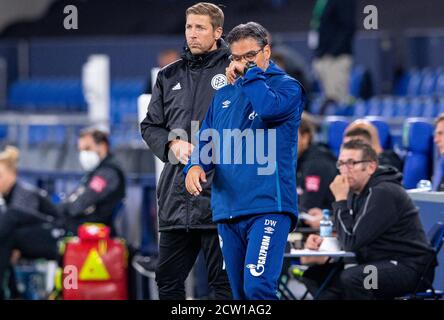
x=249 y=65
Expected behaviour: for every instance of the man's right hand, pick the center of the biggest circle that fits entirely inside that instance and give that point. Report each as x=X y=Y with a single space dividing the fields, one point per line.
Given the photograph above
x=182 y=150
x=234 y=70
x=313 y=242
x=192 y=181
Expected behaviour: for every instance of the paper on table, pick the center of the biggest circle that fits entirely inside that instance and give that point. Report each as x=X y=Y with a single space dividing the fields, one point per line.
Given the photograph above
x=306 y=216
x=330 y=244
x=309 y=252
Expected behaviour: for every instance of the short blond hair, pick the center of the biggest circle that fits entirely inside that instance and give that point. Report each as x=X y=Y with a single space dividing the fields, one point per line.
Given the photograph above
x=439 y=119
x=9 y=157
x=208 y=9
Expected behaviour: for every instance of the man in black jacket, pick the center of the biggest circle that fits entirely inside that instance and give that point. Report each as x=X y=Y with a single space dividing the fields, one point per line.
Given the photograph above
x=438 y=138
x=316 y=169
x=101 y=190
x=377 y=220
x=181 y=97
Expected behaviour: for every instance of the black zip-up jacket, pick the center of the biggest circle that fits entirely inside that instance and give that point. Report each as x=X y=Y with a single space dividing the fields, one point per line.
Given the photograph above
x=316 y=169
x=183 y=93
x=25 y=205
x=382 y=223
x=99 y=193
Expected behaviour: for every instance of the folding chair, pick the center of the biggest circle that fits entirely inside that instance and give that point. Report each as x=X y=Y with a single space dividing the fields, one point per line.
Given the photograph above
x=436 y=237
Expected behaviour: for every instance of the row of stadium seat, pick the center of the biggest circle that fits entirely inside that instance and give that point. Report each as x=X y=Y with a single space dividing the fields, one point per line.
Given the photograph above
x=46 y=95
x=417 y=141
x=66 y=95
x=390 y=106
x=57 y=135
x=416 y=82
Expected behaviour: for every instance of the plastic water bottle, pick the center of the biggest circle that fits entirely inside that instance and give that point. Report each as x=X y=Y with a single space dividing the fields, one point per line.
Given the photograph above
x=425 y=185
x=326 y=224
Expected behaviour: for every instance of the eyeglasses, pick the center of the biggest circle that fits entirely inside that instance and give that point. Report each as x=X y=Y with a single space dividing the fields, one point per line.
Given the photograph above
x=350 y=164
x=249 y=56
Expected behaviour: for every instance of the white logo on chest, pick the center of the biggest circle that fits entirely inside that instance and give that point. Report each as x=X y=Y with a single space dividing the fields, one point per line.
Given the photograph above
x=219 y=81
x=226 y=104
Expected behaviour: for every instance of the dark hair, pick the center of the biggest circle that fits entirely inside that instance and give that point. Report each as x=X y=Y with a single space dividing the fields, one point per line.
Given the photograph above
x=307 y=126
x=249 y=30
x=208 y=9
x=98 y=136
x=368 y=153
x=359 y=132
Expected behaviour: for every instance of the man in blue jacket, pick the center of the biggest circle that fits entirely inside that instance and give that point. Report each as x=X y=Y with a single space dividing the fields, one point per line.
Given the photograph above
x=249 y=138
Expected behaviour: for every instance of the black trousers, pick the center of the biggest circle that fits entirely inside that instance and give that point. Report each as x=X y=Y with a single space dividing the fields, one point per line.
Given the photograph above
x=355 y=283
x=33 y=241
x=178 y=251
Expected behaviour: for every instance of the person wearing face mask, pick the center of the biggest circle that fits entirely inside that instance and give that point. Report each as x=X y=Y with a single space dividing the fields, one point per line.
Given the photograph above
x=100 y=190
x=28 y=219
x=30 y=223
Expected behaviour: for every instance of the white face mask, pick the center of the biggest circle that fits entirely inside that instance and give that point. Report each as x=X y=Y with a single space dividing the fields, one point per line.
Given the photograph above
x=89 y=160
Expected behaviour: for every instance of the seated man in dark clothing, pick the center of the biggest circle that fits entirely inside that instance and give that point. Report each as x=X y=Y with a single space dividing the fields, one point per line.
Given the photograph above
x=365 y=131
x=27 y=216
x=30 y=223
x=316 y=169
x=376 y=219
x=438 y=175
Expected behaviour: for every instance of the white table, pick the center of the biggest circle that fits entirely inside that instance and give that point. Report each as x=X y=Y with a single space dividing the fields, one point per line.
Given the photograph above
x=318 y=253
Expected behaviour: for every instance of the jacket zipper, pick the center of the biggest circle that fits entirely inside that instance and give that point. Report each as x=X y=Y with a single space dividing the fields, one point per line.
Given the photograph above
x=188 y=195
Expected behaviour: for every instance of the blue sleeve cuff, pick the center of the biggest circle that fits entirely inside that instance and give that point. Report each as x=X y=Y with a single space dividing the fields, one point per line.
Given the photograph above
x=253 y=74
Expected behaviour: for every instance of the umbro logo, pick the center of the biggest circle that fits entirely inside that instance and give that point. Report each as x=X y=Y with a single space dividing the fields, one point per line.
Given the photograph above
x=269 y=230
x=226 y=104
x=177 y=87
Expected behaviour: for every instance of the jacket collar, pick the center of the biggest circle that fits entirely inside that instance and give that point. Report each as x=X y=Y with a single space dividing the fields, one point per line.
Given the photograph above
x=206 y=59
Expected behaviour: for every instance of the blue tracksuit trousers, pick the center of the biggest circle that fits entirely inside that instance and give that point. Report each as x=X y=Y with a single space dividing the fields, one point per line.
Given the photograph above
x=253 y=249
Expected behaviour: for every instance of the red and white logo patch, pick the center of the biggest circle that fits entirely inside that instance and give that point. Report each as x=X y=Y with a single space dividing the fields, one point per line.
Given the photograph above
x=312 y=183
x=98 y=184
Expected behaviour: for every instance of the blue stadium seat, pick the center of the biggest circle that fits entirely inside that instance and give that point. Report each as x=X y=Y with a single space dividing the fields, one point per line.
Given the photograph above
x=356 y=78
x=401 y=107
x=418 y=141
x=414 y=83
x=374 y=106
x=334 y=128
x=55 y=94
x=3 y=131
x=383 y=131
x=430 y=108
x=440 y=106
x=428 y=82
x=46 y=134
x=360 y=109
x=388 y=108
x=400 y=86
x=123 y=105
x=415 y=107
x=439 y=85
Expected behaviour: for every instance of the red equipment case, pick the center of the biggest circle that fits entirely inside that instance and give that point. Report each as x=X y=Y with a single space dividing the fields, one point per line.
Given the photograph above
x=95 y=266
